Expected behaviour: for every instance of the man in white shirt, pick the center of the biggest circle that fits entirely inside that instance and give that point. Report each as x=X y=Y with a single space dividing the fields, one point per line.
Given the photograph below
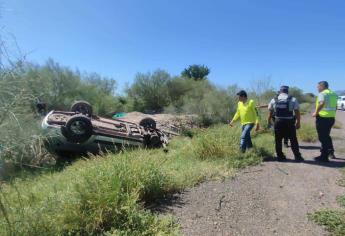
x=287 y=118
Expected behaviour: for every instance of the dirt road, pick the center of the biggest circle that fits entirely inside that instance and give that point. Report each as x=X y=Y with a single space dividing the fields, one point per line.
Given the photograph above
x=270 y=199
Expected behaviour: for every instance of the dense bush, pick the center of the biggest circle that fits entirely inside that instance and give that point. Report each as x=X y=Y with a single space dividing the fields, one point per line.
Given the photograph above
x=22 y=85
x=307 y=133
x=300 y=96
x=211 y=104
x=161 y=92
x=150 y=92
x=60 y=86
x=20 y=140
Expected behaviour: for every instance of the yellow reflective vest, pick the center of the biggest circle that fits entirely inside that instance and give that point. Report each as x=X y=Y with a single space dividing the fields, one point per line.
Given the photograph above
x=330 y=108
x=247 y=113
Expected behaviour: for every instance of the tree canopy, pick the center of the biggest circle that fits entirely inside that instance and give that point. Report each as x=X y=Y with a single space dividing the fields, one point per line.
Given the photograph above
x=196 y=72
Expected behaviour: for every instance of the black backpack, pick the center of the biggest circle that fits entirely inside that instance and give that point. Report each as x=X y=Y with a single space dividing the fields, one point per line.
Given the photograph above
x=283 y=108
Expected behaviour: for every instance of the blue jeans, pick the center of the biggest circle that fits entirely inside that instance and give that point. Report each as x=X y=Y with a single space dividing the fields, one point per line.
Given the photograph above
x=246 y=140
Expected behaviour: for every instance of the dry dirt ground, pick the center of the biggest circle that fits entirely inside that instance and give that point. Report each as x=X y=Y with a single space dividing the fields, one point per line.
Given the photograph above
x=273 y=198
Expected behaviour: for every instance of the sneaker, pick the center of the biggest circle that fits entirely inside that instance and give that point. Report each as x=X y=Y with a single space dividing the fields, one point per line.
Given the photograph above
x=321 y=159
x=299 y=159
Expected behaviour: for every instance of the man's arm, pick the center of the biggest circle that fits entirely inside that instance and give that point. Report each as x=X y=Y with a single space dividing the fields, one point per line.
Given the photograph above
x=269 y=118
x=298 y=119
x=270 y=112
x=261 y=106
x=321 y=99
x=319 y=108
x=236 y=116
x=257 y=119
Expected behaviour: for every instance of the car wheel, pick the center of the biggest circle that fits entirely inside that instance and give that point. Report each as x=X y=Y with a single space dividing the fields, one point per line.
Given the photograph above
x=78 y=129
x=82 y=107
x=148 y=123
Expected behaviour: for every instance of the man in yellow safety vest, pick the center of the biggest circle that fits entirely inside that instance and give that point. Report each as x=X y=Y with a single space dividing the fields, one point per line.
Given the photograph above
x=326 y=108
x=248 y=115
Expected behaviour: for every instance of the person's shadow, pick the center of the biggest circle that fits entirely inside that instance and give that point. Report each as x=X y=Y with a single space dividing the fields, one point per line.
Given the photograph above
x=333 y=163
x=310 y=147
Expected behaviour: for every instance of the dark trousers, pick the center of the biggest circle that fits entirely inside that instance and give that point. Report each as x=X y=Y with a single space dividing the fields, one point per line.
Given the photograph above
x=284 y=128
x=323 y=127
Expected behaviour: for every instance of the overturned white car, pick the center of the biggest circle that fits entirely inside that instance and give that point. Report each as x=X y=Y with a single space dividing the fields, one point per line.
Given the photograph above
x=78 y=130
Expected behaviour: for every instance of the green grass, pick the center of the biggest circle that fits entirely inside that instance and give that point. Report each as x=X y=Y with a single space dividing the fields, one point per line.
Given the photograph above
x=307 y=133
x=333 y=219
x=107 y=195
x=306 y=107
x=341 y=200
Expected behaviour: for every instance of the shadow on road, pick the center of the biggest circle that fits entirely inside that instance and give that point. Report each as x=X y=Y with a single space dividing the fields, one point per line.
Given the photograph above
x=164 y=205
x=309 y=147
x=333 y=163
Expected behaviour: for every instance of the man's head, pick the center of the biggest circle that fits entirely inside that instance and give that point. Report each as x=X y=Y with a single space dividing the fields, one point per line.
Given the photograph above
x=242 y=95
x=284 y=89
x=322 y=85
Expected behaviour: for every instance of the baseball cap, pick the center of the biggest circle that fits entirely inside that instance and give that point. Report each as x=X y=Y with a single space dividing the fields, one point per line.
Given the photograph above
x=242 y=93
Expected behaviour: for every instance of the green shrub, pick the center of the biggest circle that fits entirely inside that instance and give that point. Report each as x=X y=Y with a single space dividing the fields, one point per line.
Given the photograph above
x=220 y=142
x=60 y=86
x=333 y=220
x=307 y=133
x=89 y=197
x=305 y=107
x=341 y=200
x=20 y=139
x=150 y=92
x=300 y=96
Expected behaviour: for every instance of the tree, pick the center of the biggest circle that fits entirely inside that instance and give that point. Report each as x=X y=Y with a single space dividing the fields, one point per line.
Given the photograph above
x=104 y=84
x=59 y=87
x=196 y=72
x=150 y=91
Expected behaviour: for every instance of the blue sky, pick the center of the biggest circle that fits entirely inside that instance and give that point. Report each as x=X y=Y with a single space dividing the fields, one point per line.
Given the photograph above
x=294 y=42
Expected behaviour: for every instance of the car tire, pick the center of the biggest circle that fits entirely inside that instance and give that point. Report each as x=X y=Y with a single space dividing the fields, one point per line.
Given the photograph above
x=148 y=123
x=78 y=129
x=82 y=107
